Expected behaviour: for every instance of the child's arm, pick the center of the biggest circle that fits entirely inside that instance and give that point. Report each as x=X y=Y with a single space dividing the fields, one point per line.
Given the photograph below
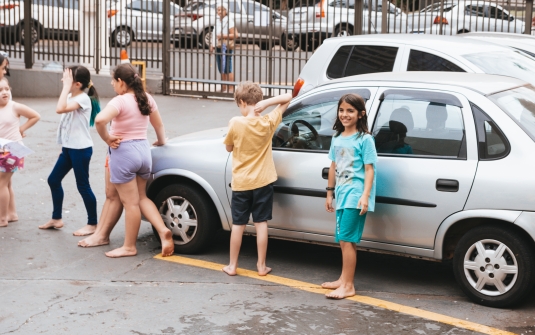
x=102 y=119
x=63 y=106
x=282 y=100
x=229 y=148
x=27 y=112
x=330 y=184
x=157 y=123
x=368 y=182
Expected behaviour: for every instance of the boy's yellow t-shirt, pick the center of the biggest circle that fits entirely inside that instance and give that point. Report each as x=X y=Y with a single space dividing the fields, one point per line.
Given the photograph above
x=252 y=158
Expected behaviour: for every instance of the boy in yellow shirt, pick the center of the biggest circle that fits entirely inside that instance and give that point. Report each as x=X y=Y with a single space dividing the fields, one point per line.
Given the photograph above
x=253 y=170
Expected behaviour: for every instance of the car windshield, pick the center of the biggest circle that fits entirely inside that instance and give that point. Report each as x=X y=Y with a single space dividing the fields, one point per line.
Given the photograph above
x=506 y=63
x=519 y=104
x=436 y=7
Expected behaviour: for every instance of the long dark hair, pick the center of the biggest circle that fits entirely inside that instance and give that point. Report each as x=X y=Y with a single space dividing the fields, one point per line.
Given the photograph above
x=359 y=104
x=2 y=59
x=128 y=74
x=80 y=74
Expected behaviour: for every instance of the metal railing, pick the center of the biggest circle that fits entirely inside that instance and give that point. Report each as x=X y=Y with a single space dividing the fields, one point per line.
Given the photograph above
x=275 y=38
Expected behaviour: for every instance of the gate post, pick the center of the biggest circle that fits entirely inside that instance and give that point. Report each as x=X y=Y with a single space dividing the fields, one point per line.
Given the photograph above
x=359 y=9
x=528 y=17
x=28 y=45
x=166 y=41
x=384 y=21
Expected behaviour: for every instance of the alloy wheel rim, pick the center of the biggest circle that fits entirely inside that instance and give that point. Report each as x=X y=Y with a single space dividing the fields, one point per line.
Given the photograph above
x=123 y=37
x=180 y=217
x=490 y=267
x=343 y=33
x=208 y=38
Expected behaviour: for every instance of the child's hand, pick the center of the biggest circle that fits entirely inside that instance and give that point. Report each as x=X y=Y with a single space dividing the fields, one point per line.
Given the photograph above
x=363 y=205
x=113 y=141
x=67 y=78
x=22 y=133
x=260 y=106
x=329 y=203
x=159 y=144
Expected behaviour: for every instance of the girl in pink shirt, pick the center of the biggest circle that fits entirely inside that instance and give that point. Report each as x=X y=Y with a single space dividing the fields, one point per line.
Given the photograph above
x=10 y=129
x=130 y=159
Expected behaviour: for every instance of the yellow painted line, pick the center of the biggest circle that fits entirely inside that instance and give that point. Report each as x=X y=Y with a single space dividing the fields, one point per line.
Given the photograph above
x=308 y=287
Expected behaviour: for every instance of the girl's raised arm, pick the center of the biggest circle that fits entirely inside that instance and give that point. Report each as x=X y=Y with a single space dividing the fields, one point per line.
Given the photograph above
x=63 y=106
x=27 y=112
x=157 y=123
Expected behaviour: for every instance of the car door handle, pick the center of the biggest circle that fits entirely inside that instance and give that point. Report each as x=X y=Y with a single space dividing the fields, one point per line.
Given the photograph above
x=325 y=173
x=447 y=185
x=252 y=21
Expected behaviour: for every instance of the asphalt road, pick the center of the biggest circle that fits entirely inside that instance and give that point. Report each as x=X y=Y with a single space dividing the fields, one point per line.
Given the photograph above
x=48 y=285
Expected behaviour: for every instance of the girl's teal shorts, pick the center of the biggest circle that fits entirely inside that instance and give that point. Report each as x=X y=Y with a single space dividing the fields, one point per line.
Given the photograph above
x=349 y=225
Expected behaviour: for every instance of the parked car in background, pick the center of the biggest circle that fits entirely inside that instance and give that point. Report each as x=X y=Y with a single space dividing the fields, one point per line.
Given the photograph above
x=464 y=192
x=140 y=20
x=256 y=23
x=50 y=19
x=522 y=42
x=466 y=16
x=343 y=57
x=312 y=21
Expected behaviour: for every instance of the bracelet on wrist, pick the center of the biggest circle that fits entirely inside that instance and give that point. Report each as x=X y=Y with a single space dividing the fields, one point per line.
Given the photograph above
x=329 y=188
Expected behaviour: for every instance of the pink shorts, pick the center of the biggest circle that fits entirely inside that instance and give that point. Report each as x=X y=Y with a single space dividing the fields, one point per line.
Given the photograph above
x=10 y=163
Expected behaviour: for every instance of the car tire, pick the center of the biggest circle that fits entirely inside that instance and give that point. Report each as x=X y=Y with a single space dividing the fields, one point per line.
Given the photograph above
x=505 y=276
x=189 y=239
x=463 y=31
x=35 y=34
x=343 y=30
x=122 y=37
x=205 y=37
x=289 y=43
x=264 y=46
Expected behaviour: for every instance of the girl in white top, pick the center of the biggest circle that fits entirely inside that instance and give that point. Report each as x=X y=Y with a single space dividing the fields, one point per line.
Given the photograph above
x=10 y=129
x=78 y=111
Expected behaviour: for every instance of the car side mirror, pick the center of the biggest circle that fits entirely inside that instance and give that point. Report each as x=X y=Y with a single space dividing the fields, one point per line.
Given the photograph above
x=511 y=18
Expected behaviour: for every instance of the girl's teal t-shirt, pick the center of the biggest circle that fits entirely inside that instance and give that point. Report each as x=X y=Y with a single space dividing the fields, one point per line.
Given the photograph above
x=350 y=154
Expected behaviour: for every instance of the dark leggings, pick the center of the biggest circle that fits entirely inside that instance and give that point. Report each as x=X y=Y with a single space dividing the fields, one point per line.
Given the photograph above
x=78 y=160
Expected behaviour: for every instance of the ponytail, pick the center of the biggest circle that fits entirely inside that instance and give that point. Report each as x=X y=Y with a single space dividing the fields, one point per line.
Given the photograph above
x=80 y=74
x=128 y=74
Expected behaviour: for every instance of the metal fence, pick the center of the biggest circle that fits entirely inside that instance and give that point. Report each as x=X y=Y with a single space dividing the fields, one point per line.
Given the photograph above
x=274 y=37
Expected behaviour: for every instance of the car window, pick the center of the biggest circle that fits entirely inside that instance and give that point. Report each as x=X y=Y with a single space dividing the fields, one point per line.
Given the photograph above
x=492 y=143
x=519 y=104
x=496 y=13
x=252 y=7
x=234 y=7
x=475 y=10
x=197 y=6
x=436 y=7
x=345 y=4
x=411 y=127
x=505 y=63
x=424 y=61
x=309 y=124
x=53 y=3
x=307 y=3
x=71 y=4
x=361 y=59
x=140 y=5
x=173 y=9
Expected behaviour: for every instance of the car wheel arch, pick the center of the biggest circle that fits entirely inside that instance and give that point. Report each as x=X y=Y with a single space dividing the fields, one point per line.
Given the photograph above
x=344 y=24
x=38 y=26
x=166 y=178
x=455 y=226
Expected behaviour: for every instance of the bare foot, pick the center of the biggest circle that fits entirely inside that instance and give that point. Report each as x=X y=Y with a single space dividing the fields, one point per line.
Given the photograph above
x=94 y=241
x=57 y=224
x=229 y=270
x=264 y=271
x=121 y=252
x=332 y=285
x=12 y=218
x=87 y=230
x=341 y=292
x=168 y=245
x=3 y=223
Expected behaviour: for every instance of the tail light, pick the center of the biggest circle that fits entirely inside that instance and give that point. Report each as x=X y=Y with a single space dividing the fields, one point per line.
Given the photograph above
x=297 y=87
x=9 y=6
x=112 y=12
x=438 y=19
x=320 y=12
x=193 y=17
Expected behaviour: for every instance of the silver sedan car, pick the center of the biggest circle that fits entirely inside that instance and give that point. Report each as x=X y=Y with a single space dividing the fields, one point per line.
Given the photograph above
x=454 y=176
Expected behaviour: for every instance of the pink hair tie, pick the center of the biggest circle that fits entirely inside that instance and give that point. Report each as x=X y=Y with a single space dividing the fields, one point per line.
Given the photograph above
x=135 y=75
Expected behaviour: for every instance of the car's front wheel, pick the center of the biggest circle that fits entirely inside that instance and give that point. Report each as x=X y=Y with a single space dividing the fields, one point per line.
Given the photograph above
x=289 y=43
x=190 y=216
x=494 y=266
x=122 y=37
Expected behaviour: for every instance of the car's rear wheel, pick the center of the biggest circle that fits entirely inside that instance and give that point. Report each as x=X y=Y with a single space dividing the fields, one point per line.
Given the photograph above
x=343 y=30
x=190 y=216
x=122 y=37
x=34 y=34
x=289 y=43
x=205 y=39
x=494 y=266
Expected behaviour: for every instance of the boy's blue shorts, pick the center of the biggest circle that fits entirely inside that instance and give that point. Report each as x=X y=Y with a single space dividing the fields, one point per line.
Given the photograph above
x=258 y=202
x=349 y=225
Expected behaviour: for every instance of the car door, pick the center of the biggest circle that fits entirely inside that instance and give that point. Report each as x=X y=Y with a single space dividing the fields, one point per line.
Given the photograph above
x=427 y=160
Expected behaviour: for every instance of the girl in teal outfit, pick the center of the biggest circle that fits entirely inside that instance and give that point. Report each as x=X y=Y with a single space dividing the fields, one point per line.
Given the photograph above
x=352 y=170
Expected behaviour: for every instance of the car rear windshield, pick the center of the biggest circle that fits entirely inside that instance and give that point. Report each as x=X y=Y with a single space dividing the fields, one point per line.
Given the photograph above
x=519 y=104
x=506 y=63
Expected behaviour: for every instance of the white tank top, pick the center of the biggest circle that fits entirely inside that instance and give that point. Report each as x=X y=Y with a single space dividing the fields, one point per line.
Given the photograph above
x=9 y=123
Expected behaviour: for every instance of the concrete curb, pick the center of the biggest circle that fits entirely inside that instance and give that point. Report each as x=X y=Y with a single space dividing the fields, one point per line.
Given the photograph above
x=47 y=84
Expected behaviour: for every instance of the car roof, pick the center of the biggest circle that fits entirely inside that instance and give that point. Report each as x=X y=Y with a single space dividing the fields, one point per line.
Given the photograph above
x=492 y=34
x=485 y=84
x=518 y=41
x=450 y=45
